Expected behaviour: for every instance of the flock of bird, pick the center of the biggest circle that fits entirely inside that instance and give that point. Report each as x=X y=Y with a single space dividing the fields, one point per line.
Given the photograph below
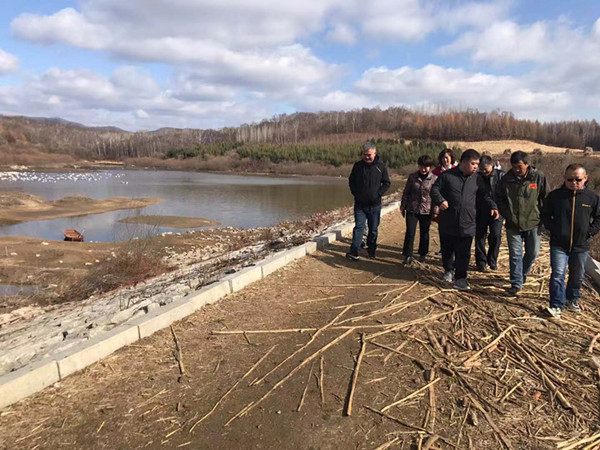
x=55 y=177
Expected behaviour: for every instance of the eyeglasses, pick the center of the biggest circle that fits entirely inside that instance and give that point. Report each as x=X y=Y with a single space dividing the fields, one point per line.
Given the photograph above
x=576 y=180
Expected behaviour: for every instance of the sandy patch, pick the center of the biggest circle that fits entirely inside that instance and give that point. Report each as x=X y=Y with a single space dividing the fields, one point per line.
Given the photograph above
x=19 y=207
x=171 y=221
x=498 y=147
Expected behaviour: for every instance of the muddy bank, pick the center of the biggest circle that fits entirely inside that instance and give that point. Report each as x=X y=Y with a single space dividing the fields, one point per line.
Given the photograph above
x=17 y=207
x=171 y=221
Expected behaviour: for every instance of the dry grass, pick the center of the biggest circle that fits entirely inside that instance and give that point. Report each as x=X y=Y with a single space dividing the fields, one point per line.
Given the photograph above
x=498 y=147
x=134 y=262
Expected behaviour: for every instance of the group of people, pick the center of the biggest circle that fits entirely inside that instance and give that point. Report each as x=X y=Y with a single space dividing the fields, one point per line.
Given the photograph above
x=473 y=198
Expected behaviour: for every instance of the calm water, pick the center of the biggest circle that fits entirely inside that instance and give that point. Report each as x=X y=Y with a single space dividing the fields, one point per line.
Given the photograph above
x=232 y=200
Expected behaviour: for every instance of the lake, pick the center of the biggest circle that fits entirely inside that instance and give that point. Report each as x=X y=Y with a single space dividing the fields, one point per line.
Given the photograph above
x=233 y=200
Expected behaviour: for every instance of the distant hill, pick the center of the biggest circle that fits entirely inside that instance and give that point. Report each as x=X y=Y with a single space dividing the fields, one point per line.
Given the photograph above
x=55 y=136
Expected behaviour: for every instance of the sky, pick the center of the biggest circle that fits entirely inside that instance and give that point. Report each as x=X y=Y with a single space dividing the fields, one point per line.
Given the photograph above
x=147 y=64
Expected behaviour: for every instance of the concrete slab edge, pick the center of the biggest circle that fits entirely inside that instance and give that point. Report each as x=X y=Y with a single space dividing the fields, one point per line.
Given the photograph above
x=35 y=377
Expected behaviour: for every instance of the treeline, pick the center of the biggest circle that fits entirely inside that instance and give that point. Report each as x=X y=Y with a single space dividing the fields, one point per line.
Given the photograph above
x=396 y=153
x=322 y=130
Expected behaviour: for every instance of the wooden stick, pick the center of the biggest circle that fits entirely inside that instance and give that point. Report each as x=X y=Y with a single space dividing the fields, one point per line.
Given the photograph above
x=489 y=419
x=476 y=356
x=569 y=445
x=430 y=441
x=392 y=351
x=432 y=401
x=510 y=392
x=399 y=296
x=356 y=304
x=355 y=374
x=319 y=299
x=594 y=339
x=178 y=354
x=305 y=387
x=391 y=328
x=388 y=444
x=319 y=352
x=407 y=425
x=232 y=388
x=322 y=379
x=408 y=397
x=417 y=301
x=312 y=339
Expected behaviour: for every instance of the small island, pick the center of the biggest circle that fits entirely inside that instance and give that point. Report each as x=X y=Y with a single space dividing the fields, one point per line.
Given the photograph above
x=17 y=207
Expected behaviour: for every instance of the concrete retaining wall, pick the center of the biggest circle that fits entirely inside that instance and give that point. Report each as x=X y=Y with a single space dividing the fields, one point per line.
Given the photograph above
x=30 y=379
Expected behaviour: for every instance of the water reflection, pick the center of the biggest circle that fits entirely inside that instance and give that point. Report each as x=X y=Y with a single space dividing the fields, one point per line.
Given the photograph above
x=232 y=200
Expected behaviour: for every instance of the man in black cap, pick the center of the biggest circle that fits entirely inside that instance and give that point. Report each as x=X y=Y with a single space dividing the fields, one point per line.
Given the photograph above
x=369 y=180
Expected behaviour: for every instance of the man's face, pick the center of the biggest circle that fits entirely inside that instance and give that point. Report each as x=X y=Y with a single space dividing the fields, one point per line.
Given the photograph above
x=575 y=179
x=447 y=161
x=486 y=170
x=520 y=168
x=424 y=170
x=369 y=155
x=469 y=166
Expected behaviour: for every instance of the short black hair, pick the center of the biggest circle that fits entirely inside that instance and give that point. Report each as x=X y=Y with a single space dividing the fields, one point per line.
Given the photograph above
x=469 y=155
x=519 y=156
x=575 y=166
x=443 y=153
x=485 y=160
x=425 y=161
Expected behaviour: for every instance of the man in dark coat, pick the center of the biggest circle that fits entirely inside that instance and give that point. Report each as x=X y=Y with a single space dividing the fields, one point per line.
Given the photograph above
x=520 y=197
x=369 y=180
x=456 y=191
x=572 y=215
x=491 y=177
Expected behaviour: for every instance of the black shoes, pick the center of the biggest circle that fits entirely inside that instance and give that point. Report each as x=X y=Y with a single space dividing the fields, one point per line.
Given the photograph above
x=352 y=257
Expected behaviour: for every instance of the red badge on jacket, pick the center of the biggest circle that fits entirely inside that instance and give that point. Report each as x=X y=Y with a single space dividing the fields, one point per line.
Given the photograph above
x=533 y=186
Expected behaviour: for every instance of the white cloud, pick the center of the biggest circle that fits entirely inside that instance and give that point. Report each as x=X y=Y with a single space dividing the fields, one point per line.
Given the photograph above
x=457 y=87
x=67 y=25
x=8 y=62
x=342 y=33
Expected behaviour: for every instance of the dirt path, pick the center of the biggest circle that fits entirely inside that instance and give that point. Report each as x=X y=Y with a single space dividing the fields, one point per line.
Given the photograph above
x=481 y=352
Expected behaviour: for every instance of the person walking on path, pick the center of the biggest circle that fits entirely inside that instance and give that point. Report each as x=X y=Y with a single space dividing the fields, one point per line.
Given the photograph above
x=520 y=196
x=491 y=177
x=572 y=215
x=446 y=160
x=455 y=192
x=416 y=208
x=368 y=181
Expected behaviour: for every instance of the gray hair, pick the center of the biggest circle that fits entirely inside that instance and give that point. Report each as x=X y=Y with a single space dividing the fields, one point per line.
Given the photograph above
x=368 y=146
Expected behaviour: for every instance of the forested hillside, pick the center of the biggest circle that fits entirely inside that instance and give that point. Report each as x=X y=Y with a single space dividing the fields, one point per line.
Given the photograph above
x=56 y=136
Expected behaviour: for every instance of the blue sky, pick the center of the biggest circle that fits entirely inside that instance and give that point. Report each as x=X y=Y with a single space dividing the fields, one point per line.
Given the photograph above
x=141 y=64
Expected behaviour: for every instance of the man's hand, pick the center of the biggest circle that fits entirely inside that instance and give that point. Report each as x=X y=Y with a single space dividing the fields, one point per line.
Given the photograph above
x=403 y=212
x=495 y=214
x=444 y=205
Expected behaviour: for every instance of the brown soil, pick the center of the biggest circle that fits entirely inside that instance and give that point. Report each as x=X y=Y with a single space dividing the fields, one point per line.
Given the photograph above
x=529 y=388
x=498 y=147
x=171 y=221
x=19 y=207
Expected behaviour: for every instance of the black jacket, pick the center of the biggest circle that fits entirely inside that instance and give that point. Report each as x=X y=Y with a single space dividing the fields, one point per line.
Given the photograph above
x=572 y=217
x=461 y=193
x=368 y=182
x=491 y=184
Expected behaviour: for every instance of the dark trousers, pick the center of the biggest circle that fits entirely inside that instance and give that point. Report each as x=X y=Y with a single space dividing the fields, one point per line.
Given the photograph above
x=424 y=221
x=495 y=234
x=365 y=215
x=458 y=247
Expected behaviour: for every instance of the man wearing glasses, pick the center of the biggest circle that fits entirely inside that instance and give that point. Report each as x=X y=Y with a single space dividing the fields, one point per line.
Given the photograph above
x=572 y=214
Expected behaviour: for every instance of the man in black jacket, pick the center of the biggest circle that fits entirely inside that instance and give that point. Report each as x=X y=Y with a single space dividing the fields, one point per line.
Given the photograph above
x=369 y=180
x=491 y=177
x=456 y=191
x=572 y=215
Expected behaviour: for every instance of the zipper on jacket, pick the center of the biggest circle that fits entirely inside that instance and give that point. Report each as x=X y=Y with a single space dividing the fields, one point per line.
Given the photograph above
x=572 y=222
